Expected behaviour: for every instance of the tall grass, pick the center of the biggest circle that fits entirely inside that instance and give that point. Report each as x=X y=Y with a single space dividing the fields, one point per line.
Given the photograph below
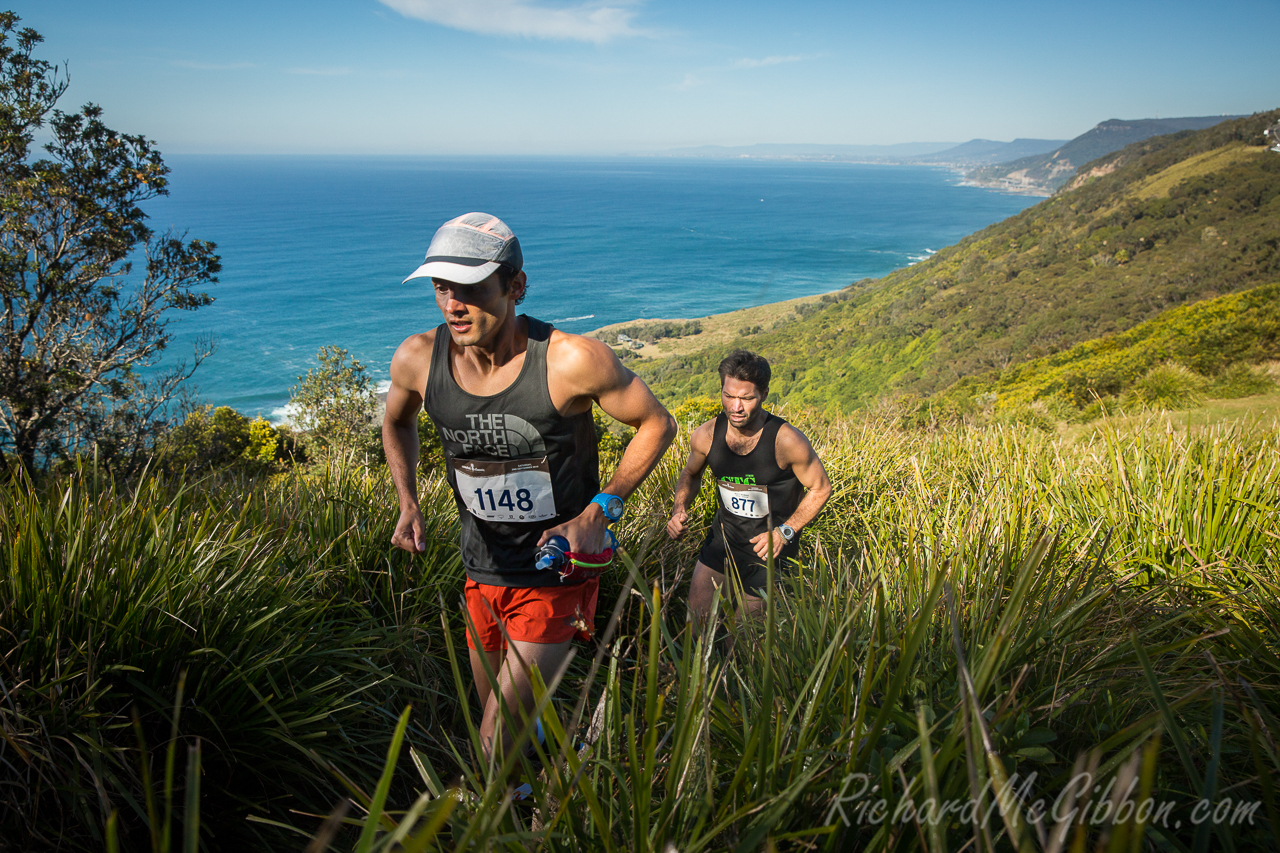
x=974 y=607
x=299 y=632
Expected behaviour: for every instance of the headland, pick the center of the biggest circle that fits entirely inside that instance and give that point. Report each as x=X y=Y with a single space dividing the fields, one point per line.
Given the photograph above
x=716 y=328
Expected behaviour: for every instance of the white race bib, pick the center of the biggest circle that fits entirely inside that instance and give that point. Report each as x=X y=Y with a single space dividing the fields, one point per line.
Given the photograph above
x=508 y=490
x=744 y=501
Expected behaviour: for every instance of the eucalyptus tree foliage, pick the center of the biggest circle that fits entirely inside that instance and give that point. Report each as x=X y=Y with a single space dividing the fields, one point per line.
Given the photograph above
x=82 y=332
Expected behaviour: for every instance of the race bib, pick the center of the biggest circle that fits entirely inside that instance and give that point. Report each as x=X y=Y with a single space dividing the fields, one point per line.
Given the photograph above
x=744 y=501
x=508 y=490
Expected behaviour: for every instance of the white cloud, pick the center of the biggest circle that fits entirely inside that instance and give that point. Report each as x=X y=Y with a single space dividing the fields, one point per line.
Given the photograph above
x=211 y=66
x=322 y=72
x=593 y=21
x=768 y=60
x=690 y=81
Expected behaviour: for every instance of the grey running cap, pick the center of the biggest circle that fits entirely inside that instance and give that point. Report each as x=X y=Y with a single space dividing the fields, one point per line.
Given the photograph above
x=468 y=249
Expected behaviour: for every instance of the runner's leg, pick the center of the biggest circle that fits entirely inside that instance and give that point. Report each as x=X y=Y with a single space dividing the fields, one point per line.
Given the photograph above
x=702 y=590
x=483 y=686
x=516 y=686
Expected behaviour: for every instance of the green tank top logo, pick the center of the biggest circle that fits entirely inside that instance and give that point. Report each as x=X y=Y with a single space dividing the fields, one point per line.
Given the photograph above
x=749 y=480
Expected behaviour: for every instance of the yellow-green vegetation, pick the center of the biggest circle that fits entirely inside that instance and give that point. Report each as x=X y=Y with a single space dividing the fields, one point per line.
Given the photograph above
x=1216 y=337
x=972 y=604
x=1094 y=261
x=1162 y=183
x=220 y=438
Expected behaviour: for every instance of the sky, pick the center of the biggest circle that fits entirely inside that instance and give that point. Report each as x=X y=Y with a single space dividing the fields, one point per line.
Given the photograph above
x=485 y=77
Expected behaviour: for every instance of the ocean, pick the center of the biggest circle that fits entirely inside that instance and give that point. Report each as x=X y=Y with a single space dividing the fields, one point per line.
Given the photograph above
x=314 y=249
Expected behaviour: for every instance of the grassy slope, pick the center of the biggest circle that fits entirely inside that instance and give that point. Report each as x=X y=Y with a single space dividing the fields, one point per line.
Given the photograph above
x=1093 y=261
x=1205 y=336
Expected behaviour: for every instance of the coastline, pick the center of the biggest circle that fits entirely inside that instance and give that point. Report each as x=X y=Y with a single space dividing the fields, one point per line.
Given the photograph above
x=716 y=328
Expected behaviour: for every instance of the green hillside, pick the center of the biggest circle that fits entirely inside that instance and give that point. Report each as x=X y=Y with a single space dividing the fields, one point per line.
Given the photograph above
x=1049 y=171
x=1177 y=219
x=1206 y=337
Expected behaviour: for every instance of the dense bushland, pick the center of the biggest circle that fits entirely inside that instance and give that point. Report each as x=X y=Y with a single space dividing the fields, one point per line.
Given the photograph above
x=972 y=604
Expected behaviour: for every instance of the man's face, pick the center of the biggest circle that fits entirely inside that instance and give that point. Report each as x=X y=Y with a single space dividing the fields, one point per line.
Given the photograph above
x=741 y=400
x=475 y=311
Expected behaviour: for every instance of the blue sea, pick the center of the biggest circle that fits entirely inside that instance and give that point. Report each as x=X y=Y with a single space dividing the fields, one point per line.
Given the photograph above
x=314 y=250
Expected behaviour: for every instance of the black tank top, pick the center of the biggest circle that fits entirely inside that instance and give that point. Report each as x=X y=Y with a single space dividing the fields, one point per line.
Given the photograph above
x=747 y=486
x=516 y=465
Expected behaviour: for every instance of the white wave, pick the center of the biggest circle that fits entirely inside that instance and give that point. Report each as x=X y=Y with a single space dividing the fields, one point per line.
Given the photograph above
x=283 y=415
x=572 y=319
x=384 y=386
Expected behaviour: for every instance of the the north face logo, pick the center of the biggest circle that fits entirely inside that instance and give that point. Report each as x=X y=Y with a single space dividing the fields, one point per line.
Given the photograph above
x=502 y=435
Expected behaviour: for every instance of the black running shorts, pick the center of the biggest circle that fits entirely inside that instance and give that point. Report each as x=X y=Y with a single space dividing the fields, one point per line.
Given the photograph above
x=743 y=564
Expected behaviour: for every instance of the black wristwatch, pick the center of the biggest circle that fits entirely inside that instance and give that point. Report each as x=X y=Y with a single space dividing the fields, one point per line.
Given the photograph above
x=788 y=532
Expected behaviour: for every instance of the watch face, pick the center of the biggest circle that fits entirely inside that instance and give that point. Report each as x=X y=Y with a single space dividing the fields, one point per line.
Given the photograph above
x=788 y=532
x=611 y=504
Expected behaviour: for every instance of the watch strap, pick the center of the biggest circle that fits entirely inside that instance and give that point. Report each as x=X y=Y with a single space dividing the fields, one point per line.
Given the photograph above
x=605 y=500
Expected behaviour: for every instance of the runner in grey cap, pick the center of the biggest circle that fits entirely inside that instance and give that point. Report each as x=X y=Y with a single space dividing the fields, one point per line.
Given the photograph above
x=469 y=249
x=511 y=400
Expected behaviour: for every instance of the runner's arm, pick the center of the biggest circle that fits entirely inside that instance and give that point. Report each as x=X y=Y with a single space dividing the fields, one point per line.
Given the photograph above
x=794 y=451
x=400 y=439
x=690 y=482
x=591 y=368
x=809 y=470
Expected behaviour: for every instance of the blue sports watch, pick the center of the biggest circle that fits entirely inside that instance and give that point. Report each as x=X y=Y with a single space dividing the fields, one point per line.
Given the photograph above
x=611 y=504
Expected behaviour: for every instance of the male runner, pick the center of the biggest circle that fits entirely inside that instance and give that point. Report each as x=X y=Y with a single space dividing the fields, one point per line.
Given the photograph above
x=762 y=466
x=511 y=399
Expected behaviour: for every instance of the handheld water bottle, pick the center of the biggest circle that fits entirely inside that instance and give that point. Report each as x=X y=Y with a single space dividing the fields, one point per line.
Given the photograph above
x=552 y=554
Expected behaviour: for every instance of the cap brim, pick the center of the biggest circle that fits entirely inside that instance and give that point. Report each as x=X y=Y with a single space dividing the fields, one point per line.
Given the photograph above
x=456 y=273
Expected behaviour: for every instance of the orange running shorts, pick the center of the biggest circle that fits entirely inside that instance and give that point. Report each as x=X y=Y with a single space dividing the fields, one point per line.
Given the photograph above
x=543 y=614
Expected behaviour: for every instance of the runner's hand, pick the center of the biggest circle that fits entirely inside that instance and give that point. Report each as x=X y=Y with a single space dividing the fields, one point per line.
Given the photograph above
x=678 y=523
x=411 y=532
x=761 y=544
x=586 y=533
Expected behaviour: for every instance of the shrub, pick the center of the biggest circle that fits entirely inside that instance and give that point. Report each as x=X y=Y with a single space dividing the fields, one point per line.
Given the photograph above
x=1169 y=386
x=612 y=436
x=430 y=450
x=695 y=411
x=654 y=331
x=212 y=438
x=335 y=405
x=1241 y=380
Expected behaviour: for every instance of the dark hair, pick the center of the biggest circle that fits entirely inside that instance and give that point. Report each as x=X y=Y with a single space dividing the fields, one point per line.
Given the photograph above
x=505 y=275
x=746 y=367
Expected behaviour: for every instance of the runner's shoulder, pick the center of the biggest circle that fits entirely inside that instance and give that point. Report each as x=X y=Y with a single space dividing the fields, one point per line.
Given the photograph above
x=412 y=360
x=792 y=444
x=702 y=435
x=587 y=360
x=566 y=345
